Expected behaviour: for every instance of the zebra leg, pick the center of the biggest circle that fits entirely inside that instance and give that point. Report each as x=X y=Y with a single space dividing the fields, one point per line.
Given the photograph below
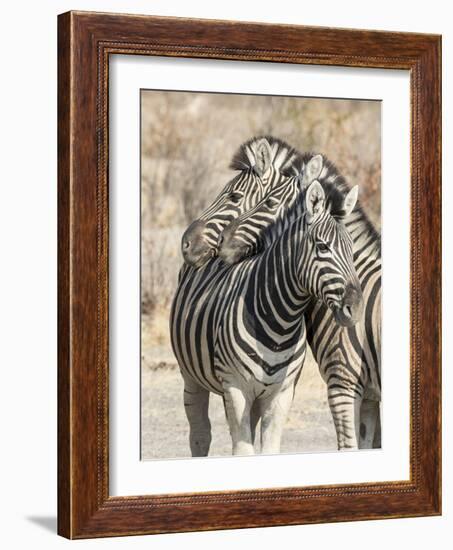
x=255 y=415
x=196 y=405
x=274 y=412
x=369 y=420
x=344 y=405
x=377 y=433
x=238 y=412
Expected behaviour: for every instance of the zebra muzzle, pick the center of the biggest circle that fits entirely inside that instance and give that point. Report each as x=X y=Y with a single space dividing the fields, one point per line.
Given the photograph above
x=195 y=248
x=350 y=311
x=231 y=251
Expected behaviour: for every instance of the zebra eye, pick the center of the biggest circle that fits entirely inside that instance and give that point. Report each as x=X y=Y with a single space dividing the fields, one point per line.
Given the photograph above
x=322 y=247
x=235 y=197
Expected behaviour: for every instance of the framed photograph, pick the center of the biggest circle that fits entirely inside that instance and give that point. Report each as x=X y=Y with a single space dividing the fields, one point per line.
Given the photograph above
x=249 y=275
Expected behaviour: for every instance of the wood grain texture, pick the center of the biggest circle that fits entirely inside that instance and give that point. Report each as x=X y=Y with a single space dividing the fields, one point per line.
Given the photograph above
x=85 y=42
x=64 y=344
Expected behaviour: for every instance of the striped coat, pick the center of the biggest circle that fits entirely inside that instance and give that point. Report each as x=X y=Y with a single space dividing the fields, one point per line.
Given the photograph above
x=348 y=358
x=240 y=332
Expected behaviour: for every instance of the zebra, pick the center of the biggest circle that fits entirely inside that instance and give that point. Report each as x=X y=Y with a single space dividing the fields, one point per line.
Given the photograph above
x=262 y=164
x=240 y=330
x=348 y=357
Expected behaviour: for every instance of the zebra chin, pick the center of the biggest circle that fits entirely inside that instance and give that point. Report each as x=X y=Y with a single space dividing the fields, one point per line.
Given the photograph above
x=232 y=255
x=195 y=248
x=200 y=259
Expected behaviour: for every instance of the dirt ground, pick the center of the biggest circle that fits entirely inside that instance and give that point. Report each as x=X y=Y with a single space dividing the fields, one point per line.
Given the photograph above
x=165 y=431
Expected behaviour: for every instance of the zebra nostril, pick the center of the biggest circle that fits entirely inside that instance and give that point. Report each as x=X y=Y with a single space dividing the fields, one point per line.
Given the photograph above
x=186 y=245
x=347 y=310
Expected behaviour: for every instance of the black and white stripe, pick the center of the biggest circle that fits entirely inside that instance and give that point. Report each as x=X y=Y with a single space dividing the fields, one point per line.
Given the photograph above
x=239 y=331
x=348 y=358
x=261 y=164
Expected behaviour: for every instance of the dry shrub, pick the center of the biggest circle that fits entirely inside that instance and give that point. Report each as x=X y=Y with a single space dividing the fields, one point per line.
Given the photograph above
x=160 y=266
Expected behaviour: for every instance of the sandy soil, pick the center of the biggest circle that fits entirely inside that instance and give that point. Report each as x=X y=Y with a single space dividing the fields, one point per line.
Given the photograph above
x=165 y=429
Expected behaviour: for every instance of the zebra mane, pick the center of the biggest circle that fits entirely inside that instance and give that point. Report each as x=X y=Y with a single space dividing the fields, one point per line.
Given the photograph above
x=335 y=187
x=283 y=154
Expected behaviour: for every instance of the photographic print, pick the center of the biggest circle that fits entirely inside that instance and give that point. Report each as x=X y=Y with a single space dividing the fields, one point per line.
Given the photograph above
x=220 y=214
x=260 y=274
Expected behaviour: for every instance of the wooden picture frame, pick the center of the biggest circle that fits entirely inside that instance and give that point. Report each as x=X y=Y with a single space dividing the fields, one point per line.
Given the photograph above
x=85 y=42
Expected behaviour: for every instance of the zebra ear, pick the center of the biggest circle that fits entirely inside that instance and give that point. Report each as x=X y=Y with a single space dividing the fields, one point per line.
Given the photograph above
x=315 y=200
x=263 y=155
x=350 y=200
x=312 y=170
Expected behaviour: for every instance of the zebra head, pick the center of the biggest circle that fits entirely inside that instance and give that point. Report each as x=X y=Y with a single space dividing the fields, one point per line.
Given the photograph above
x=257 y=228
x=261 y=163
x=325 y=263
x=327 y=270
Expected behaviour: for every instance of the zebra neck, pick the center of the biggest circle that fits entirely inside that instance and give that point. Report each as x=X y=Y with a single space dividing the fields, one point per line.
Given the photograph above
x=274 y=303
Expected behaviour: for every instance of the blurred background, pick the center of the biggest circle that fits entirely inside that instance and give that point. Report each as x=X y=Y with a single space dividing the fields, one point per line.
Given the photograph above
x=187 y=143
